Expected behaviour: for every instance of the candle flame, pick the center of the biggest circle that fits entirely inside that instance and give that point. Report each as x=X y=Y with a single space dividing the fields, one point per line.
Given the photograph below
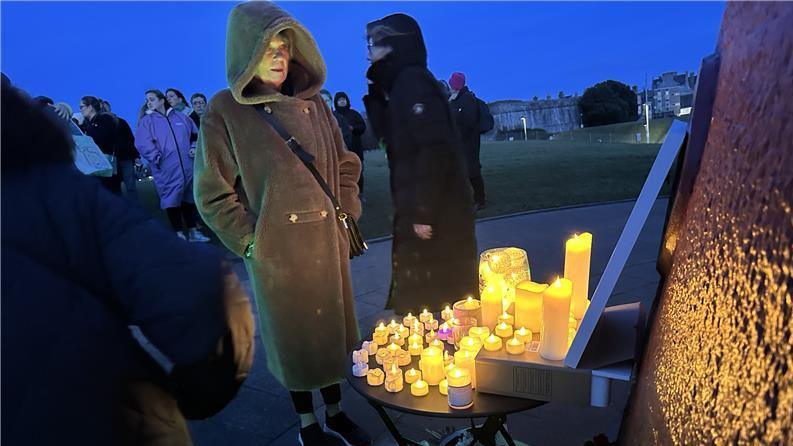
x=447 y=308
x=457 y=373
x=502 y=325
x=381 y=325
x=558 y=282
x=393 y=368
x=492 y=338
x=470 y=299
x=393 y=322
x=409 y=315
x=575 y=235
x=445 y=355
x=425 y=311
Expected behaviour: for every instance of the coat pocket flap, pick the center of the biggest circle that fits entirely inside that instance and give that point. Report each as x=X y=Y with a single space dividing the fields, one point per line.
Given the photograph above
x=298 y=217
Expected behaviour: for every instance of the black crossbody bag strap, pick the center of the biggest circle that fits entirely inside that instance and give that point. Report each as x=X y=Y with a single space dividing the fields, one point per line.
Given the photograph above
x=357 y=244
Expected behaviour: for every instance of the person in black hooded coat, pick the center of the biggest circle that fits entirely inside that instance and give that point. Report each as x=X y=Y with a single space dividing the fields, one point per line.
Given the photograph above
x=357 y=126
x=434 y=248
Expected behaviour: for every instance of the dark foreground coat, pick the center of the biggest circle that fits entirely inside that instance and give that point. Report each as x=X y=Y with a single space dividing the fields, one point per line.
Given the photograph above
x=465 y=110
x=429 y=183
x=250 y=187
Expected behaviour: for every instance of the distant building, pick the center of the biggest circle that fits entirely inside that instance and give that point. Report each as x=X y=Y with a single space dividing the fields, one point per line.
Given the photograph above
x=551 y=115
x=671 y=94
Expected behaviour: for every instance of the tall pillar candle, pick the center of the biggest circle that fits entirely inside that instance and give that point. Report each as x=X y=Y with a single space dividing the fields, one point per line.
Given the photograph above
x=466 y=360
x=431 y=365
x=578 y=252
x=492 y=305
x=555 y=312
x=528 y=305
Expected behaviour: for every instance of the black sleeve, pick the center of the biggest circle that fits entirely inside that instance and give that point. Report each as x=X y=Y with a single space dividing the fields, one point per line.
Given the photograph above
x=376 y=111
x=468 y=117
x=357 y=122
x=104 y=133
x=426 y=119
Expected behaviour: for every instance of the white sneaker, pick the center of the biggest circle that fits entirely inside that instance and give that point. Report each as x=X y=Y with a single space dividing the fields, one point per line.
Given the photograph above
x=197 y=236
x=181 y=235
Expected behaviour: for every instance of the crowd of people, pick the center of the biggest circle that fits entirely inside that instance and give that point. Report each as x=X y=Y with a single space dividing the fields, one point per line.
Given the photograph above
x=273 y=166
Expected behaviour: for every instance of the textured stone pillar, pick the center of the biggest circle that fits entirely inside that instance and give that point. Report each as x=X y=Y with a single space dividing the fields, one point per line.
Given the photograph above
x=718 y=365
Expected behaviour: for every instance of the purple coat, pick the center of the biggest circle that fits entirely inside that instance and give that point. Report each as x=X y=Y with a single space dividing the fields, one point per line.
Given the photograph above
x=168 y=137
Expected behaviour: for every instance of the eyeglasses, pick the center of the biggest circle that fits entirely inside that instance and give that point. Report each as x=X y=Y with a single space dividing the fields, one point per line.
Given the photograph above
x=82 y=106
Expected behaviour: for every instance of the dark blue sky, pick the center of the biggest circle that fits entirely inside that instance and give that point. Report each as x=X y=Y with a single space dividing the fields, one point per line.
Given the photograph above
x=508 y=50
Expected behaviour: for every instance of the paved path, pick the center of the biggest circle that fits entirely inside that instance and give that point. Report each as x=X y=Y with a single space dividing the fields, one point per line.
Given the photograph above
x=262 y=413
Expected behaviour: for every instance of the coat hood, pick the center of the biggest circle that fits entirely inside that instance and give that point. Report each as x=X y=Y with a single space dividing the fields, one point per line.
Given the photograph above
x=251 y=26
x=338 y=96
x=402 y=33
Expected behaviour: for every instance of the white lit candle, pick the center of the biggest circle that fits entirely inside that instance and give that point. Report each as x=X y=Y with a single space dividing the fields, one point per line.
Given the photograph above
x=523 y=334
x=408 y=320
x=492 y=305
x=403 y=331
x=393 y=348
x=392 y=327
x=380 y=335
x=375 y=377
x=447 y=313
x=431 y=324
x=479 y=332
x=471 y=343
x=578 y=251
x=417 y=328
x=416 y=339
x=412 y=376
x=419 y=388
x=493 y=343
x=444 y=331
x=506 y=318
x=515 y=346
x=393 y=379
x=415 y=349
x=467 y=360
x=381 y=355
x=437 y=343
x=370 y=346
x=431 y=365
x=425 y=316
x=398 y=339
x=448 y=368
x=443 y=387
x=459 y=389
x=470 y=303
x=503 y=330
x=429 y=337
x=402 y=358
x=446 y=358
x=555 y=309
x=528 y=305
x=360 y=370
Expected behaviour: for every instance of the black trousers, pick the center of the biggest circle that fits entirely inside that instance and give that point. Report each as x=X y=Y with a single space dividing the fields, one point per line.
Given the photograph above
x=183 y=217
x=304 y=402
x=478 y=183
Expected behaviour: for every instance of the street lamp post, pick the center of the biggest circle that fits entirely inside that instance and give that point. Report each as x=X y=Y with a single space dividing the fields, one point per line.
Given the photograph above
x=525 y=133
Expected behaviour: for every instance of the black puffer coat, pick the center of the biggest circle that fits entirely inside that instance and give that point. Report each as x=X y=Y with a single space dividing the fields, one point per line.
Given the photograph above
x=429 y=182
x=354 y=120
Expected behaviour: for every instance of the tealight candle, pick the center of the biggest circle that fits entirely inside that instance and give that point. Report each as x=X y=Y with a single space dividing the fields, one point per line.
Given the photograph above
x=417 y=328
x=402 y=358
x=375 y=377
x=388 y=362
x=437 y=343
x=443 y=387
x=471 y=343
x=459 y=389
x=468 y=308
x=431 y=324
x=446 y=358
x=415 y=349
x=416 y=339
x=380 y=335
x=431 y=365
x=370 y=347
x=555 y=309
x=393 y=379
x=448 y=368
x=447 y=313
x=412 y=376
x=578 y=251
x=392 y=327
x=419 y=388
x=493 y=343
x=528 y=305
x=515 y=346
x=425 y=316
x=506 y=318
x=444 y=332
x=397 y=339
x=470 y=303
x=360 y=370
x=360 y=356
x=503 y=330
x=393 y=348
x=408 y=320
x=429 y=337
x=479 y=332
x=403 y=331
x=524 y=335
x=466 y=360
x=381 y=355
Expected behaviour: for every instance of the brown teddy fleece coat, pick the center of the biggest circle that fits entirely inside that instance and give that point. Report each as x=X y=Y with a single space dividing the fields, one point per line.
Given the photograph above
x=249 y=186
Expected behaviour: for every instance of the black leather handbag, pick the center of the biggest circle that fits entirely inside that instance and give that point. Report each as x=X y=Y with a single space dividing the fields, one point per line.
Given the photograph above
x=357 y=244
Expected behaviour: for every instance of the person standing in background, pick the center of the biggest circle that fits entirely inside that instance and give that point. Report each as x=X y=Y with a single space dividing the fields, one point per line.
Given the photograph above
x=177 y=101
x=346 y=130
x=465 y=110
x=103 y=129
x=126 y=153
x=356 y=125
x=199 y=102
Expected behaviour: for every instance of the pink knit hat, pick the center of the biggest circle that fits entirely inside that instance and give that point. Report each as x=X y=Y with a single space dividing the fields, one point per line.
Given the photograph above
x=457 y=81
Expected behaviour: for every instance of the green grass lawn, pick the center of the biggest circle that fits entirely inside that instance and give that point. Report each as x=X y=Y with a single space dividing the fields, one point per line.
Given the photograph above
x=624 y=132
x=519 y=176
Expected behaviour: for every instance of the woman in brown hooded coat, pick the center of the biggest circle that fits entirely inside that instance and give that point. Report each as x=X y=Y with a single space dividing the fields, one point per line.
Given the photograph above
x=265 y=206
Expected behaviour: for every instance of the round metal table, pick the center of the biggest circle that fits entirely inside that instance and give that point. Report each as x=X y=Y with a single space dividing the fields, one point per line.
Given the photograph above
x=494 y=408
